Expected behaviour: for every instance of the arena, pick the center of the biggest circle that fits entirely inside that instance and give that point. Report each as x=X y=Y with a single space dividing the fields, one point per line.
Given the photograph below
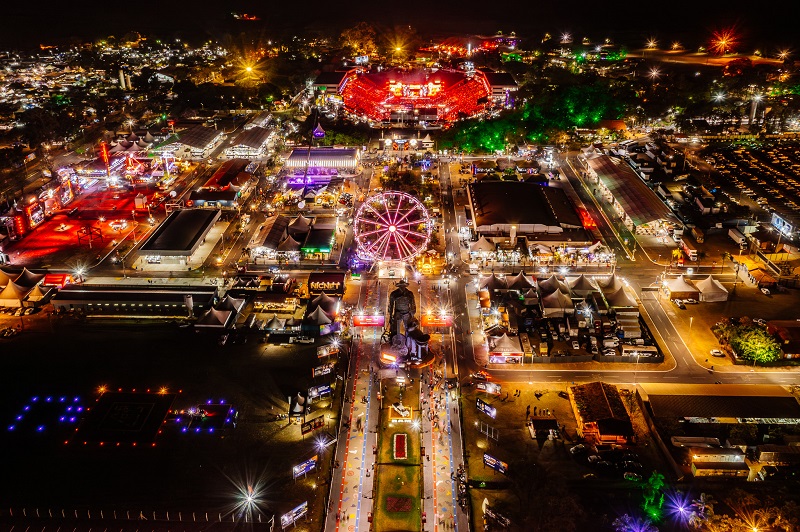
x=414 y=96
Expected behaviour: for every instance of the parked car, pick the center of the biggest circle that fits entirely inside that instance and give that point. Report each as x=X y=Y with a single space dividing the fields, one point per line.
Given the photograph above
x=633 y=477
x=690 y=301
x=717 y=353
x=575 y=344
x=765 y=291
x=579 y=449
x=304 y=340
x=679 y=304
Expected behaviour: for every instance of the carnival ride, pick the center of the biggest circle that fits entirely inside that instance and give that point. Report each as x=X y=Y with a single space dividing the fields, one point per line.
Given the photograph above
x=392 y=226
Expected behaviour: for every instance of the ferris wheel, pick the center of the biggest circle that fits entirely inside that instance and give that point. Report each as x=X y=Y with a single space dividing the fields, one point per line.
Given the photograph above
x=392 y=225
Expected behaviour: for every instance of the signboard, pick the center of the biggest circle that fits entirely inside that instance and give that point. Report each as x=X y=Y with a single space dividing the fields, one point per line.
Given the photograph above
x=489 y=387
x=497 y=516
x=436 y=320
x=329 y=328
x=377 y=320
x=30 y=157
x=362 y=59
x=312 y=425
x=494 y=463
x=486 y=408
x=319 y=391
x=330 y=283
x=288 y=519
x=327 y=350
x=781 y=225
x=306 y=467
x=324 y=369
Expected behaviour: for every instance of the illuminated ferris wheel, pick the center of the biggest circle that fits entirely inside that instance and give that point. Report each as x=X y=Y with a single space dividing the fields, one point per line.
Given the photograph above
x=392 y=225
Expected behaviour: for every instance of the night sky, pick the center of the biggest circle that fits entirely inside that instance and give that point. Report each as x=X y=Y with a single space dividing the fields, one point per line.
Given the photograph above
x=690 y=21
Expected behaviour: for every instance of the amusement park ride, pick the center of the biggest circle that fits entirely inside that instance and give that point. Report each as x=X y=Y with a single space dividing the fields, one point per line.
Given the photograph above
x=391 y=229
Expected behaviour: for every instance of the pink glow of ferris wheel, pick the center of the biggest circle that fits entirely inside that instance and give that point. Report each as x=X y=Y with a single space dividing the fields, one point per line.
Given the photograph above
x=392 y=225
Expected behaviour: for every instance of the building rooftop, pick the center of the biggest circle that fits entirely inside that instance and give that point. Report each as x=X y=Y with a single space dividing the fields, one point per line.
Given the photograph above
x=181 y=233
x=198 y=136
x=255 y=137
x=522 y=203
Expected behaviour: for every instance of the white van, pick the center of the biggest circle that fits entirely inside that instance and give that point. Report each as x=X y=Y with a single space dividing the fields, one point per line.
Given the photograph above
x=474 y=269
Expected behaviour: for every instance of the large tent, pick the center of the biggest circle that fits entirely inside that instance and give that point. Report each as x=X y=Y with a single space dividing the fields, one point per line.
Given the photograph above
x=325 y=302
x=299 y=225
x=4 y=278
x=493 y=282
x=13 y=294
x=712 y=290
x=678 y=288
x=619 y=298
x=531 y=297
x=505 y=346
x=275 y=324
x=610 y=283
x=520 y=282
x=482 y=246
x=289 y=244
x=581 y=285
x=557 y=304
x=231 y=303
x=552 y=284
x=214 y=319
x=318 y=317
x=28 y=278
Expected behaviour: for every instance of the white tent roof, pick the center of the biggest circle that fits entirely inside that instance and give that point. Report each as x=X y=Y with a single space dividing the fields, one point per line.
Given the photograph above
x=14 y=291
x=506 y=346
x=620 y=298
x=581 y=285
x=214 y=318
x=301 y=223
x=275 y=324
x=520 y=282
x=35 y=294
x=493 y=282
x=319 y=317
x=4 y=278
x=709 y=285
x=552 y=284
x=289 y=244
x=610 y=283
x=679 y=284
x=230 y=303
x=482 y=246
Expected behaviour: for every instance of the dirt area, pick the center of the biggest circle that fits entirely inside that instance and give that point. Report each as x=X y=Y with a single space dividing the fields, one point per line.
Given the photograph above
x=544 y=464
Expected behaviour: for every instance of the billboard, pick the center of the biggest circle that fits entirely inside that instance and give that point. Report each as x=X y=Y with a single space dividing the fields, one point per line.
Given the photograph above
x=324 y=369
x=376 y=320
x=289 y=518
x=362 y=59
x=494 y=463
x=312 y=424
x=330 y=283
x=489 y=387
x=327 y=350
x=329 y=328
x=319 y=391
x=435 y=320
x=306 y=467
x=486 y=408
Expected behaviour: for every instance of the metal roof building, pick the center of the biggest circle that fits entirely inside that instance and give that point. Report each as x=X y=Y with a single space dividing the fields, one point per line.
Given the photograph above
x=344 y=158
x=181 y=233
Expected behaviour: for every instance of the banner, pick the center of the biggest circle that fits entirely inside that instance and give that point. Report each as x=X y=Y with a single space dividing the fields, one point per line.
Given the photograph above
x=312 y=425
x=324 y=369
x=330 y=283
x=486 y=408
x=329 y=328
x=319 y=391
x=489 y=387
x=305 y=468
x=288 y=519
x=327 y=350
x=435 y=320
x=494 y=463
x=378 y=320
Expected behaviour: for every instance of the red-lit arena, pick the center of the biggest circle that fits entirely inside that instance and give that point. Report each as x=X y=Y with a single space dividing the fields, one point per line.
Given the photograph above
x=414 y=95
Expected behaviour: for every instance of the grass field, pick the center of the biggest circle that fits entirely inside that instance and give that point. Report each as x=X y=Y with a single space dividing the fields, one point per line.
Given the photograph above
x=398 y=479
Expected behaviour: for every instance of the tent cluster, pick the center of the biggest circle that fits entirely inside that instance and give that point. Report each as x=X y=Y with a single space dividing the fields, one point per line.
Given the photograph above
x=21 y=289
x=223 y=315
x=708 y=289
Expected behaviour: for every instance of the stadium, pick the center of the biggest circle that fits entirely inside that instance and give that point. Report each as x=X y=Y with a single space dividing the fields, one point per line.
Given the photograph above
x=417 y=95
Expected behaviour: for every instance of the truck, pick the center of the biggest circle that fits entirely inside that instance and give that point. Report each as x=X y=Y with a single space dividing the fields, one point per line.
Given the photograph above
x=698 y=234
x=694 y=441
x=737 y=237
x=689 y=250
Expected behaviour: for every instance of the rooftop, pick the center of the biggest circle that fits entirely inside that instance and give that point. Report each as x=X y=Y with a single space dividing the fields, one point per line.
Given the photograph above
x=181 y=233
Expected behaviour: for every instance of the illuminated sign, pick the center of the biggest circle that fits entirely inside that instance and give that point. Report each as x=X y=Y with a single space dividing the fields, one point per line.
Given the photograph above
x=486 y=408
x=319 y=391
x=104 y=152
x=369 y=321
x=494 y=463
x=362 y=59
x=489 y=387
x=322 y=370
x=312 y=425
x=306 y=467
x=781 y=225
x=436 y=320
x=330 y=283
x=288 y=519
x=327 y=350
x=329 y=328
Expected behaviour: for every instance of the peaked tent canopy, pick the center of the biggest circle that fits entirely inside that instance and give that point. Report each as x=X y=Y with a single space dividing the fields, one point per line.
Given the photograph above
x=482 y=246
x=505 y=346
x=581 y=285
x=318 y=317
x=620 y=298
x=275 y=324
x=493 y=282
x=557 y=303
x=289 y=244
x=301 y=224
x=610 y=283
x=13 y=294
x=520 y=282
x=679 y=288
x=552 y=284
x=35 y=294
x=214 y=319
x=230 y=303
x=4 y=278
x=712 y=290
x=27 y=278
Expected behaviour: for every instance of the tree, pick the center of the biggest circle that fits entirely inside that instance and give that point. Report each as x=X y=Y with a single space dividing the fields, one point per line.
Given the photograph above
x=360 y=39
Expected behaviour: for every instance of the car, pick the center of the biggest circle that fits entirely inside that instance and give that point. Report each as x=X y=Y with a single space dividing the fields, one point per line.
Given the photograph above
x=633 y=477
x=717 y=353
x=690 y=301
x=481 y=375
x=765 y=291
x=578 y=449
x=118 y=224
x=304 y=340
x=575 y=344
x=594 y=458
x=679 y=304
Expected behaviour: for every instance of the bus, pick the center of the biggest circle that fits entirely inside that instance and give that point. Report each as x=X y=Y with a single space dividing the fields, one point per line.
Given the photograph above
x=688 y=248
